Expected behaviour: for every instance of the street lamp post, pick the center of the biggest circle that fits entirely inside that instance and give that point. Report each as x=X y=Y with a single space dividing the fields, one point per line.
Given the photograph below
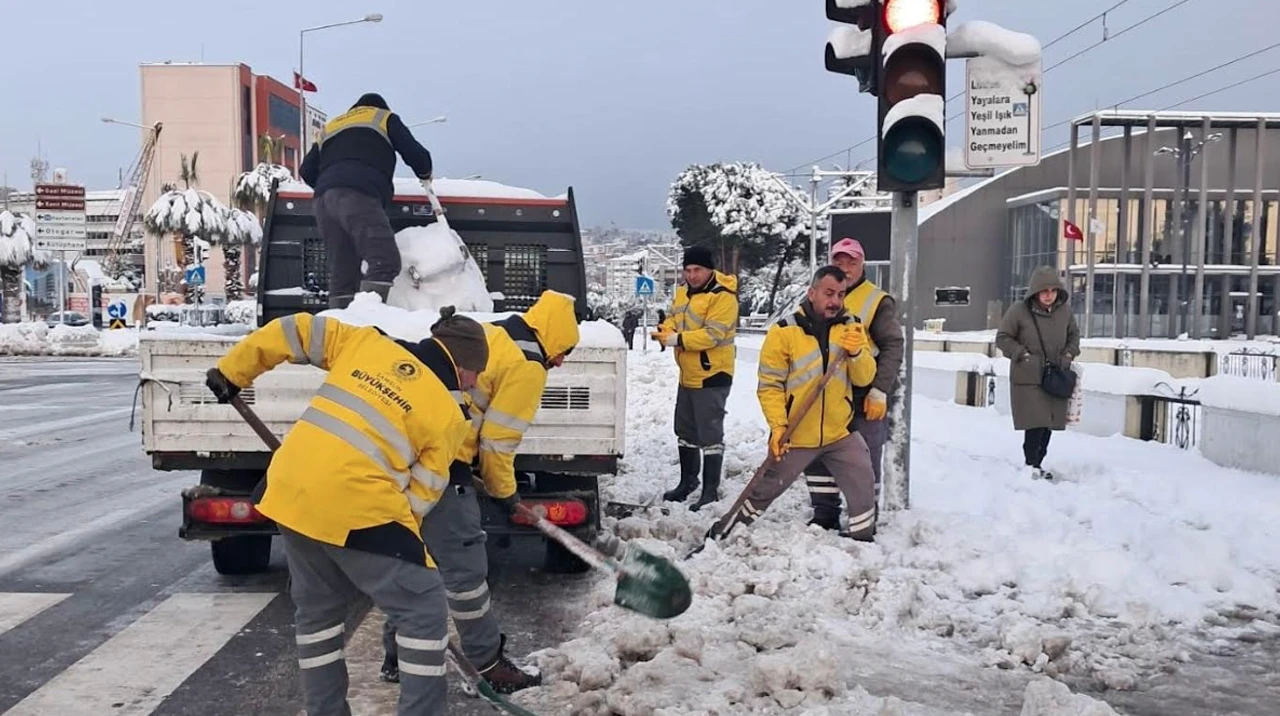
x=438 y=120
x=302 y=93
x=1185 y=153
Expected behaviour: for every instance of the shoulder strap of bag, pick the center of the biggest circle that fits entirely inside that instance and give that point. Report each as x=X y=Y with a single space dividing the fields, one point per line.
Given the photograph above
x=1044 y=354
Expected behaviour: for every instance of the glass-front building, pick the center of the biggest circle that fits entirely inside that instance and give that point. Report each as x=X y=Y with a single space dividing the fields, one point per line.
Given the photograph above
x=1037 y=237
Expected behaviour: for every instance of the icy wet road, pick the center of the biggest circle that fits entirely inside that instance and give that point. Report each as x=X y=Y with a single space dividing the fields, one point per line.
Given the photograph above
x=104 y=610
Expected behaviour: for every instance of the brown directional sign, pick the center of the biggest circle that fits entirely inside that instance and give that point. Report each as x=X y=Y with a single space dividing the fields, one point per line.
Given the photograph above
x=57 y=204
x=71 y=190
x=60 y=197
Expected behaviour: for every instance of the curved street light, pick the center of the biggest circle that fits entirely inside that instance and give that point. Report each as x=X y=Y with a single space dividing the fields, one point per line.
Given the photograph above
x=438 y=120
x=302 y=94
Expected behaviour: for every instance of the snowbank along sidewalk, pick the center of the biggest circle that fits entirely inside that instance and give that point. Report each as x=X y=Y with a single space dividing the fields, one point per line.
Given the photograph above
x=1138 y=558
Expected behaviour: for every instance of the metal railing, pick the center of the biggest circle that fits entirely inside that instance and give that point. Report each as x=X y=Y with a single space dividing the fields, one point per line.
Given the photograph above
x=1172 y=419
x=1248 y=363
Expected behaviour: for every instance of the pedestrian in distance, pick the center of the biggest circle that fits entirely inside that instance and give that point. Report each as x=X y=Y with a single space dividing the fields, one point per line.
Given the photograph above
x=350 y=169
x=1039 y=335
x=630 y=323
x=352 y=482
x=700 y=329
x=501 y=406
x=796 y=353
x=877 y=311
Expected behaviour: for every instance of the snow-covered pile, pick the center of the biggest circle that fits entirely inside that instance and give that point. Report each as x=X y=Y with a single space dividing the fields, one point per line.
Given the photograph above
x=1139 y=556
x=444 y=187
x=244 y=312
x=436 y=269
x=38 y=339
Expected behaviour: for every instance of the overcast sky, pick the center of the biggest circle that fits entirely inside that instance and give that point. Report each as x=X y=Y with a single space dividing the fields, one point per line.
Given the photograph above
x=611 y=98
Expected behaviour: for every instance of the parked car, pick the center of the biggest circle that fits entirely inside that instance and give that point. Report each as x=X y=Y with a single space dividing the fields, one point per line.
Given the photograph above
x=73 y=318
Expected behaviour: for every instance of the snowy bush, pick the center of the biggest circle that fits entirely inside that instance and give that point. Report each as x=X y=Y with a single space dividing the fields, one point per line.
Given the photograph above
x=17 y=249
x=38 y=339
x=245 y=312
x=738 y=209
x=757 y=289
x=253 y=188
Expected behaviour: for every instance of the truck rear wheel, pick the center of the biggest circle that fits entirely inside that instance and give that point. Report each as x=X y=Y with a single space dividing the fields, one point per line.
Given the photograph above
x=559 y=560
x=249 y=554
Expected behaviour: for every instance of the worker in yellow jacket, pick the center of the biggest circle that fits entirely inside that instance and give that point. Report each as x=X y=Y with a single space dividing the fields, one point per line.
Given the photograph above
x=700 y=328
x=502 y=405
x=796 y=353
x=352 y=483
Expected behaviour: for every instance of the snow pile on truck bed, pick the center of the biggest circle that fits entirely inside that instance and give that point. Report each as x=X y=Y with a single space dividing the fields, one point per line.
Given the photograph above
x=469 y=188
x=1138 y=558
x=38 y=339
x=437 y=270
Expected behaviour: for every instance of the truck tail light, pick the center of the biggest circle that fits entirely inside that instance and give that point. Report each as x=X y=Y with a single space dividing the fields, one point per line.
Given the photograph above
x=561 y=513
x=225 y=510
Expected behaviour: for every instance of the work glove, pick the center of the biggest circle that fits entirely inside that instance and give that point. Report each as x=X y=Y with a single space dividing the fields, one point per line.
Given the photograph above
x=777 y=448
x=666 y=338
x=876 y=404
x=510 y=503
x=854 y=339
x=221 y=387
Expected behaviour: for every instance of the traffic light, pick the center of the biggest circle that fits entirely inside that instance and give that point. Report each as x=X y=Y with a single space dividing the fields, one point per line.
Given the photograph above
x=853 y=51
x=912 y=86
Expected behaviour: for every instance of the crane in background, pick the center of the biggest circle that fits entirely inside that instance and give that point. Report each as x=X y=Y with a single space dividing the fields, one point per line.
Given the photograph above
x=130 y=202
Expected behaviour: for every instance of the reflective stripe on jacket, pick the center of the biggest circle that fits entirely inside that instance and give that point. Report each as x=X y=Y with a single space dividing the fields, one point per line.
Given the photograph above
x=507 y=395
x=861 y=302
x=372 y=118
x=793 y=359
x=370 y=456
x=706 y=321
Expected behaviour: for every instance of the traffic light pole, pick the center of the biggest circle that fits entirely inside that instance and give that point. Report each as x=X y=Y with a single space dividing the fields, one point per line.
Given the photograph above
x=904 y=233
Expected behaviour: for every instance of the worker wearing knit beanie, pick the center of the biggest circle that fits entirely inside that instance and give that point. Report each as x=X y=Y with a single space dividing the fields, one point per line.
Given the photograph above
x=463 y=338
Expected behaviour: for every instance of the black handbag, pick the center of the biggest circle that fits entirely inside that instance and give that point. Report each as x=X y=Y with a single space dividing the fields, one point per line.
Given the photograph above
x=1055 y=380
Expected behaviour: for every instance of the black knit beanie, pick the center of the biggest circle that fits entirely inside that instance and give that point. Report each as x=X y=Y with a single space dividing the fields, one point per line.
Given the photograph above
x=699 y=256
x=463 y=338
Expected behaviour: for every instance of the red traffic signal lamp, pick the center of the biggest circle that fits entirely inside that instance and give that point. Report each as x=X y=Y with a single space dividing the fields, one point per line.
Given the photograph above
x=912 y=84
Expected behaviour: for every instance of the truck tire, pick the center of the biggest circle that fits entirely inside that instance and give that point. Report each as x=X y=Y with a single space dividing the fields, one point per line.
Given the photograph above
x=559 y=560
x=249 y=554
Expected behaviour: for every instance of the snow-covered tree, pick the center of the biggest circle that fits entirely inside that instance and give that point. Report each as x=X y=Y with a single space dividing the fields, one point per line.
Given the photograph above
x=243 y=230
x=253 y=188
x=737 y=209
x=609 y=307
x=17 y=249
x=192 y=214
x=775 y=291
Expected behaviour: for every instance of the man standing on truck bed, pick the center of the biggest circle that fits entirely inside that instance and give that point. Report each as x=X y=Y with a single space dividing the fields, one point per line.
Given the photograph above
x=350 y=486
x=350 y=169
x=874 y=309
x=701 y=327
x=503 y=403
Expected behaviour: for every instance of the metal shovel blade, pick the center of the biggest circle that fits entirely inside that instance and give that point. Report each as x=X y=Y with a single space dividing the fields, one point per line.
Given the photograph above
x=651 y=585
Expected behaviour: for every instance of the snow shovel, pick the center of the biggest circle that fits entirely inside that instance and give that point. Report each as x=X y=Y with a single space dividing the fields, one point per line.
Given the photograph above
x=647 y=583
x=418 y=278
x=467 y=669
x=718 y=530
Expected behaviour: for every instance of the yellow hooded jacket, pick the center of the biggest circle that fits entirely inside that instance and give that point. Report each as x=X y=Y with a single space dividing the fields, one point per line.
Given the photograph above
x=793 y=360
x=509 y=391
x=370 y=456
x=706 y=321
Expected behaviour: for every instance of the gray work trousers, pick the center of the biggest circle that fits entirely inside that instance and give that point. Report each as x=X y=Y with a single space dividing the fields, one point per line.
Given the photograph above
x=355 y=227
x=850 y=463
x=823 y=492
x=699 y=419
x=325 y=579
x=456 y=541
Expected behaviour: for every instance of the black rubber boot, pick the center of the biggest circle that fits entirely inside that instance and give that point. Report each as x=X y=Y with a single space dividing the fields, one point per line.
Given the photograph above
x=712 y=462
x=688 y=475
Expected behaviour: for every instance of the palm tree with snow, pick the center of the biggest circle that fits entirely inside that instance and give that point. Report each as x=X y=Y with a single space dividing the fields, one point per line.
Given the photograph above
x=193 y=214
x=17 y=251
x=242 y=230
x=252 y=189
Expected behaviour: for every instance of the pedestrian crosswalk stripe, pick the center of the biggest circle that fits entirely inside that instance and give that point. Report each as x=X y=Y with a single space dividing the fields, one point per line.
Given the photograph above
x=17 y=607
x=132 y=672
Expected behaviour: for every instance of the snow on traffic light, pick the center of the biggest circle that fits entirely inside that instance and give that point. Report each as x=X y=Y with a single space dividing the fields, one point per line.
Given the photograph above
x=912 y=84
x=852 y=48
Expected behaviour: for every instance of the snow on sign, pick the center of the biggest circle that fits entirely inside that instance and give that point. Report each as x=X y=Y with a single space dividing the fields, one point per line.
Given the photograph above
x=1002 y=116
x=60 y=221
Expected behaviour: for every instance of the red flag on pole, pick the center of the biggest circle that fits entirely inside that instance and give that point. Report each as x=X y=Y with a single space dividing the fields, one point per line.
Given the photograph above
x=1071 y=231
x=303 y=84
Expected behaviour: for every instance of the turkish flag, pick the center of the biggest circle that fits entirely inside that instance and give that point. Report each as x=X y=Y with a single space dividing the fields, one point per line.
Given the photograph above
x=1071 y=231
x=303 y=84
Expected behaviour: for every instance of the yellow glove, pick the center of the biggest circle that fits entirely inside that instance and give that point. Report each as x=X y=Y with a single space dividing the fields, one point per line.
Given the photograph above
x=777 y=448
x=854 y=339
x=876 y=405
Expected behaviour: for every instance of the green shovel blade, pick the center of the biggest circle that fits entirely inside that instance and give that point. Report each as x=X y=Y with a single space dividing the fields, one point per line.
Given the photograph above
x=651 y=585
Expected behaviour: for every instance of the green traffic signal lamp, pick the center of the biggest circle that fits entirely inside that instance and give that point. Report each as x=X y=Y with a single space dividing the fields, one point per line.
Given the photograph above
x=911 y=151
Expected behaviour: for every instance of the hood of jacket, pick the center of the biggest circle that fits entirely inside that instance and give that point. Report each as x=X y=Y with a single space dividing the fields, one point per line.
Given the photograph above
x=553 y=319
x=1042 y=278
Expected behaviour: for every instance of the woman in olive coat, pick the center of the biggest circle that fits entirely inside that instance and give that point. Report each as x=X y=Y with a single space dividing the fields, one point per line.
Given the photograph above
x=1036 y=412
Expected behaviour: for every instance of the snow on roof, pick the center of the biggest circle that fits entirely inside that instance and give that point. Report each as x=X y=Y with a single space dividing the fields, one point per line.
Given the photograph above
x=471 y=188
x=988 y=39
x=92 y=269
x=931 y=106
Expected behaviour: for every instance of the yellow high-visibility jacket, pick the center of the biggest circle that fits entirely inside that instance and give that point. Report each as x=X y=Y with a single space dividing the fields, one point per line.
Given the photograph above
x=793 y=359
x=509 y=391
x=706 y=321
x=370 y=456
